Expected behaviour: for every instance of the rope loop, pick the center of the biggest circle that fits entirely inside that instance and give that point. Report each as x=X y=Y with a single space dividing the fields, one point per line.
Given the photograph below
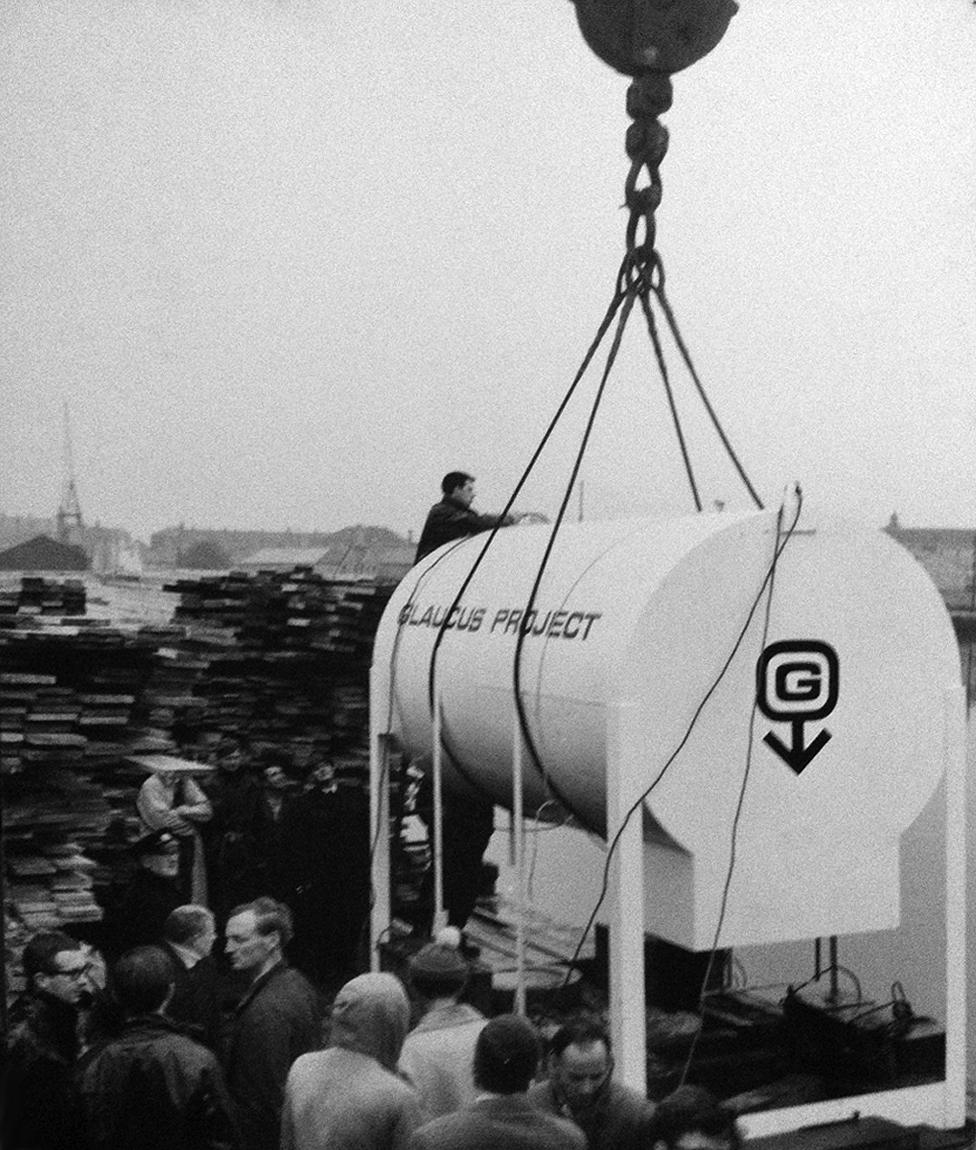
x=641 y=273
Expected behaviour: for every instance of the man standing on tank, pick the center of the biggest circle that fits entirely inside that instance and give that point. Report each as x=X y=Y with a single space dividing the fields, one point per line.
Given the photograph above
x=452 y=518
x=469 y=821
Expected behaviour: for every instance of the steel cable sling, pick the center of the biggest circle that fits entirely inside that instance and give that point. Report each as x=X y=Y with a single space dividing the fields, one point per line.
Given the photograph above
x=648 y=39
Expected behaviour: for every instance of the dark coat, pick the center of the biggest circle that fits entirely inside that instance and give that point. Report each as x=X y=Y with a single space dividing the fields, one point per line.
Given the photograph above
x=501 y=1122
x=618 y=1119
x=238 y=841
x=449 y=520
x=142 y=911
x=154 y=1088
x=278 y=1019
x=38 y=1100
x=325 y=878
x=195 y=1004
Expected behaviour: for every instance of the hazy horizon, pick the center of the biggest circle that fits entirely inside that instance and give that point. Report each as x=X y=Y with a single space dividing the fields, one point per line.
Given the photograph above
x=288 y=264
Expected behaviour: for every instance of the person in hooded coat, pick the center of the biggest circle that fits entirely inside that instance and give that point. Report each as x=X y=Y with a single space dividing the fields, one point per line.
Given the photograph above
x=349 y=1097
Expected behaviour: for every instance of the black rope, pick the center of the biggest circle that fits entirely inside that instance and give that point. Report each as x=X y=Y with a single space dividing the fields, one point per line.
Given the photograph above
x=658 y=289
x=663 y=368
x=523 y=630
x=469 y=776
x=615 y=304
x=639 y=801
x=727 y=886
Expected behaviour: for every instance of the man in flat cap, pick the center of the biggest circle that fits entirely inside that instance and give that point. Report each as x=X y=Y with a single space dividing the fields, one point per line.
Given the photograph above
x=152 y=893
x=438 y=1053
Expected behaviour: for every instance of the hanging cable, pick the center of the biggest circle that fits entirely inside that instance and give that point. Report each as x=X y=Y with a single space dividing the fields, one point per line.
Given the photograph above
x=641 y=273
x=663 y=368
x=618 y=299
x=523 y=630
x=658 y=289
x=736 y=818
x=639 y=801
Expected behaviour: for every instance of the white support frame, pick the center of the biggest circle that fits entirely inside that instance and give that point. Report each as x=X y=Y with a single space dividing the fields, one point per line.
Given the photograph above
x=380 y=914
x=379 y=811
x=939 y=1104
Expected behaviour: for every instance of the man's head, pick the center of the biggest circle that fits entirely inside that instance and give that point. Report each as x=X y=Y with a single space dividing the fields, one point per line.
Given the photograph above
x=692 y=1118
x=580 y=1061
x=438 y=970
x=229 y=755
x=56 y=965
x=506 y=1055
x=277 y=779
x=460 y=486
x=158 y=852
x=371 y=1015
x=322 y=774
x=257 y=934
x=142 y=981
x=191 y=926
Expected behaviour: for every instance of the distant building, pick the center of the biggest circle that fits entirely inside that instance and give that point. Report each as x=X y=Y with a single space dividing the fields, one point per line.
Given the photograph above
x=109 y=549
x=281 y=550
x=384 y=562
x=949 y=556
x=44 y=554
x=283 y=558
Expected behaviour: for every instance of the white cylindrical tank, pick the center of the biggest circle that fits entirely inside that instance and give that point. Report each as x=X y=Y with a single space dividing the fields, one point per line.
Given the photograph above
x=648 y=653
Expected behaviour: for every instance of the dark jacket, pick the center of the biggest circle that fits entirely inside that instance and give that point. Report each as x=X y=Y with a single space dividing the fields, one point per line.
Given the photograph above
x=153 y=1088
x=143 y=909
x=278 y=1019
x=500 y=1122
x=325 y=833
x=450 y=519
x=618 y=1119
x=38 y=1100
x=195 y=1004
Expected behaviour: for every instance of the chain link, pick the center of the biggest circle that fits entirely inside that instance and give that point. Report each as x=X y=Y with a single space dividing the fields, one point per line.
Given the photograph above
x=648 y=97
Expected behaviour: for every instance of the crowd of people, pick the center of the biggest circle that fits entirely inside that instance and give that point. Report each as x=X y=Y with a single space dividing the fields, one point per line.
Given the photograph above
x=135 y=1057
x=222 y=1007
x=225 y=825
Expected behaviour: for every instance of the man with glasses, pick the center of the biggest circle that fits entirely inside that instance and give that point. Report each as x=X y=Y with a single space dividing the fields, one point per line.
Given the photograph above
x=581 y=1088
x=38 y=1101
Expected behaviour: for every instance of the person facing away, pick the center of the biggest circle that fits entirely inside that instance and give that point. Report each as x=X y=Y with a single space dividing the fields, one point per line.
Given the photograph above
x=188 y=938
x=349 y=1097
x=38 y=1100
x=581 y=1087
x=153 y=1087
x=501 y=1117
x=438 y=1054
x=277 y=1019
x=452 y=518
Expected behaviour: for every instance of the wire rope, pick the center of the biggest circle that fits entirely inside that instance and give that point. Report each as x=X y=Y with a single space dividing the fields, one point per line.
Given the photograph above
x=733 y=846
x=638 y=803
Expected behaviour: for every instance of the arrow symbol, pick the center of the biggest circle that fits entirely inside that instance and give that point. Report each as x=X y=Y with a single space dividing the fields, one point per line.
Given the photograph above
x=797 y=757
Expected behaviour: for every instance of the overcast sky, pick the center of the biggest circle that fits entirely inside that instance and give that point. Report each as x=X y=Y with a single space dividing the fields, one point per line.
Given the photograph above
x=290 y=262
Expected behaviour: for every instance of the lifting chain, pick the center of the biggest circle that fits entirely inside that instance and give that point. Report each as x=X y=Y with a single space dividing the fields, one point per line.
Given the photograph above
x=649 y=40
x=648 y=97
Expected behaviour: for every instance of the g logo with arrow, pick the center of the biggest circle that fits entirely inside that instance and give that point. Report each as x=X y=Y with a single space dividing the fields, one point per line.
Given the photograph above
x=797 y=681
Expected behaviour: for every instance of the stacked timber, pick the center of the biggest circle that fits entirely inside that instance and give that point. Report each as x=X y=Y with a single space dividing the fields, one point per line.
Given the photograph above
x=287 y=656
x=281 y=661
